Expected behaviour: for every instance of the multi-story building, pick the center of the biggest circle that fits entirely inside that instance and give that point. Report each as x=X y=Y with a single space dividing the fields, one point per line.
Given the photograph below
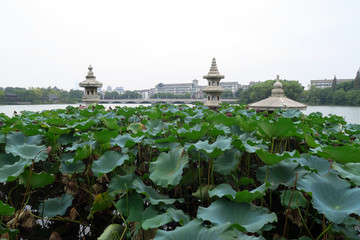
x=178 y=88
x=327 y=83
x=230 y=86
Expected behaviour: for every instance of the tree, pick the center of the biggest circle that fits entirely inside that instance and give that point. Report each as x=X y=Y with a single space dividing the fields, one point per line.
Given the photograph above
x=357 y=80
x=227 y=95
x=292 y=89
x=334 y=83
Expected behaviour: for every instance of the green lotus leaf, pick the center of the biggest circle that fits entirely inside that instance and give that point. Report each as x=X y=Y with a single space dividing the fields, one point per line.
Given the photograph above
x=119 y=184
x=157 y=221
x=215 y=149
x=222 y=119
x=154 y=197
x=226 y=190
x=194 y=133
x=248 y=125
x=282 y=173
x=270 y=158
x=221 y=190
x=56 y=121
x=168 y=168
x=6 y=209
x=242 y=216
x=111 y=123
x=104 y=136
x=297 y=199
x=243 y=236
x=131 y=206
x=227 y=162
x=102 y=202
x=349 y=170
x=154 y=127
x=219 y=129
x=314 y=163
x=196 y=230
x=343 y=154
x=58 y=130
x=331 y=196
x=284 y=127
x=112 y=232
x=2 y=137
x=38 y=180
x=68 y=165
x=178 y=216
x=135 y=127
x=83 y=152
x=108 y=162
x=162 y=219
x=27 y=151
x=18 y=138
x=83 y=126
x=196 y=118
x=11 y=167
x=125 y=140
x=291 y=113
x=155 y=113
x=55 y=206
x=311 y=142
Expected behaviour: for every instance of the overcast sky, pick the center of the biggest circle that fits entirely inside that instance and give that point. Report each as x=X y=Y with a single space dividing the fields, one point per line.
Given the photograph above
x=138 y=44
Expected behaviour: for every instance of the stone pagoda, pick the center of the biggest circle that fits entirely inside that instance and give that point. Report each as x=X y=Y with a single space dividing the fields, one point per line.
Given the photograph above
x=277 y=100
x=213 y=90
x=91 y=85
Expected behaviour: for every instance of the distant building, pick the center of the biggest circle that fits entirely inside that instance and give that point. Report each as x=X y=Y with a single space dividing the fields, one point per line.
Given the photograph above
x=230 y=86
x=178 y=88
x=109 y=89
x=327 y=83
x=120 y=90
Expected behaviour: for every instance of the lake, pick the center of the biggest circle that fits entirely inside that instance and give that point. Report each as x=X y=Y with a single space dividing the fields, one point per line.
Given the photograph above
x=351 y=114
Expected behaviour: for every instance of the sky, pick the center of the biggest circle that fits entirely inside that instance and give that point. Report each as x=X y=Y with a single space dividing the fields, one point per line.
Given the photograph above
x=138 y=44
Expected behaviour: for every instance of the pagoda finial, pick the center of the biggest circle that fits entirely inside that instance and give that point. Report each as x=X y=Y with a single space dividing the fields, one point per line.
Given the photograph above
x=213 y=68
x=90 y=73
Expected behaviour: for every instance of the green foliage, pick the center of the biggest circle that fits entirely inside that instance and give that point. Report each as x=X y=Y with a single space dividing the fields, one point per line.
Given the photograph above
x=179 y=172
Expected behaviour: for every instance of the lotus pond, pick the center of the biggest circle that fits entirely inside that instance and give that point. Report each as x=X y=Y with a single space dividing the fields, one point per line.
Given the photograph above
x=178 y=172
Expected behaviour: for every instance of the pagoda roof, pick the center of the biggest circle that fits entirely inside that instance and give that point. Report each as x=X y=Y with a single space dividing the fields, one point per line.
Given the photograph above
x=213 y=72
x=277 y=100
x=90 y=80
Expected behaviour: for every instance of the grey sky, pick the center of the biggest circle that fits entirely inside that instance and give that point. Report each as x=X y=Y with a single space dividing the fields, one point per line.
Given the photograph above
x=138 y=44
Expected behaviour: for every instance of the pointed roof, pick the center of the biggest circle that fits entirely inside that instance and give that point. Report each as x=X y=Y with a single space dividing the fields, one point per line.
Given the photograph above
x=277 y=100
x=90 y=80
x=213 y=72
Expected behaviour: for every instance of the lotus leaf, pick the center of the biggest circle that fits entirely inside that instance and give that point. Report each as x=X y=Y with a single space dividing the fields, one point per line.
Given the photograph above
x=297 y=199
x=102 y=201
x=6 y=209
x=121 y=184
x=196 y=230
x=108 y=162
x=226 y=190
x=27 y=151
x=215 y=149
x=348 y=170
x=314 y=163
x=131 y=206
x=11 y=167
x=112 y=232
x=125 y=140
x=38 y=180
x=55 y=206
x=168 y=168
x=243 y=216
x=227 y=162
x=104 y=136
x=17 y=138
x=270 y=159
x=284 y=127
x=282 y=173
x=343 y=154
x=154 y=127
x=135 y=127
x=331 y=196
x=154 y=197
x=194 y=133
x=111 y=123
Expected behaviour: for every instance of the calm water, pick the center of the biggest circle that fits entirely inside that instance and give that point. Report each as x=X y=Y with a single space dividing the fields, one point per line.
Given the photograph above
x=351 y=114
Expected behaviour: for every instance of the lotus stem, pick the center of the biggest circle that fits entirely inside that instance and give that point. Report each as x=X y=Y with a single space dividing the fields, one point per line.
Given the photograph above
x=325 y=231
x=287 y=212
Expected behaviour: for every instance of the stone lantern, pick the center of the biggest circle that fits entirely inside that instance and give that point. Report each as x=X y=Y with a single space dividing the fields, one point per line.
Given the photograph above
x=91 y=85
x=213 y=90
